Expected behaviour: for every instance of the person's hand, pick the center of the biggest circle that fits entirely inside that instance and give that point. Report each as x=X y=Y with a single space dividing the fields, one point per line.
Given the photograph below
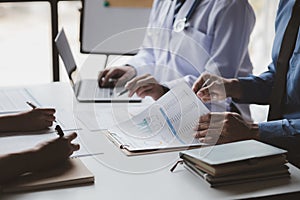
x=35 y=119
x=217 y=128
x=54 y=151
x=209 y=87
x=145 y=85
x=120 y=75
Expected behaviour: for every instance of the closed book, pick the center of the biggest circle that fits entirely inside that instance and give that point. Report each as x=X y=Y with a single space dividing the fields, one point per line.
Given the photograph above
x=73 y=172
x=236 y=157
x=251 y=176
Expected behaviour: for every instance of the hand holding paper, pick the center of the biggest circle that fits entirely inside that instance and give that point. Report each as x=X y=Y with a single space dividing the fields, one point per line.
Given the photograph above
x=167 y=124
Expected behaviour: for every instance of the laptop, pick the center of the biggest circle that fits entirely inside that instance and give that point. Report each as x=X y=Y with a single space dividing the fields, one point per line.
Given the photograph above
x=87 y=90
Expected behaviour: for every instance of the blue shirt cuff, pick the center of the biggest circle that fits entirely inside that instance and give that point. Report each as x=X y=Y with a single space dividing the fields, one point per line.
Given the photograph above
x=272 y=129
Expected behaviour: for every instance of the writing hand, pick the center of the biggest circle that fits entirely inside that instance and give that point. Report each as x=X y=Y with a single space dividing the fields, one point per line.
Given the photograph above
x=54 y=151
x=33 y=120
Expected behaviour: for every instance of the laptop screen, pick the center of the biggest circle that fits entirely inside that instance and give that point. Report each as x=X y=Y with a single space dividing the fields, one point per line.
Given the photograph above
x=65 y=53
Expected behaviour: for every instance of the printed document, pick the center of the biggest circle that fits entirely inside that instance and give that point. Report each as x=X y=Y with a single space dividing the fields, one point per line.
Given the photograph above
x=167 y=123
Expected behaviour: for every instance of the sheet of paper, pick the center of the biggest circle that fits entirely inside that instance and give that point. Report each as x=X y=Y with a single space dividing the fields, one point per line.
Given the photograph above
x=95 y=120
x=14 y=100
x=104 y=117
x=16 y=142
x=66 y=119
x=168 y=122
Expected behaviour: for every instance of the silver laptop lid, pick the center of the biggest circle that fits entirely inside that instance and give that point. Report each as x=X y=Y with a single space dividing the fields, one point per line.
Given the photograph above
x=65 y=53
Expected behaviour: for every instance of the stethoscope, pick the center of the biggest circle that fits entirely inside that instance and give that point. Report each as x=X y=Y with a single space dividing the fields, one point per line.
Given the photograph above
x=180 y=24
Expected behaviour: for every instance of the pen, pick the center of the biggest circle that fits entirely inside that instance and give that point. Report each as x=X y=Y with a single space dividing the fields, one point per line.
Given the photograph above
x=59 y=131
x=205 y=83
x=31 y=104
x=122 y=92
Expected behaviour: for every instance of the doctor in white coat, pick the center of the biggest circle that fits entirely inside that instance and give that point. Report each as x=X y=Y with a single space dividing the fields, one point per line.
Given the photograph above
x=184 y=39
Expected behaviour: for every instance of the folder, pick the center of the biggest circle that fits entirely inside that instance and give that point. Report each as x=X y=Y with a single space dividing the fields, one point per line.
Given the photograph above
x=72 y=172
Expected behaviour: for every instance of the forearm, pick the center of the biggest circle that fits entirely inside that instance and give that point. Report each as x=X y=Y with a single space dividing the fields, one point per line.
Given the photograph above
x=233 y=88
x=284 y=134
x=254 y=130
x=16 y=164
x=8 y=123
x=279 y=128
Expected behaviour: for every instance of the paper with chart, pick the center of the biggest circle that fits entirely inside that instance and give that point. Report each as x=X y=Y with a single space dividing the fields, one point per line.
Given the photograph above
x=167 y=123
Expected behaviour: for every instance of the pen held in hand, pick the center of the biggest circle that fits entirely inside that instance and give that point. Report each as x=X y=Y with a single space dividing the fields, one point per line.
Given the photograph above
x=205 y=83
x=59 y=131
x=31 y=105
x=122 y=92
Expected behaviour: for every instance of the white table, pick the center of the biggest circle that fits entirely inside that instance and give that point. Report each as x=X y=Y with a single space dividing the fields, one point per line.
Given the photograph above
x=141 y=177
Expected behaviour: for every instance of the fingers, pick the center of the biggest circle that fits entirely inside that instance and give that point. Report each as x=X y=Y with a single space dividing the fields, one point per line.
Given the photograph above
x=130 y=73
x=211 y=136
x=101 y=75
x=75 y=147
x=213 y=140
x=112 y=73
x=200 y=81
x=130 y=85
x=209 y=131
x=72 y=147
x=71 y=137
x=105 y=76
x=211 y=92
x=220 y=128
x=139 y=82
x=43 y=117
x=212 y=122
x=204 y=93
x=144 y=91
x=210 y=88
x=44 y=111
x=47 y=124
x=48 y=111
x=49 y=118
x=210 y=125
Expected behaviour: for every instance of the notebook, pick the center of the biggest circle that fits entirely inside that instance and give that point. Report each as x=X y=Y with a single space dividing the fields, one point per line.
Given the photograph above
x=87 y=90
x=235 y=157
x=73 y=172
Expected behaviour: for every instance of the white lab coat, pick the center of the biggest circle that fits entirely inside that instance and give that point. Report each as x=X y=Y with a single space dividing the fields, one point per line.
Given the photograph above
x=215 y=41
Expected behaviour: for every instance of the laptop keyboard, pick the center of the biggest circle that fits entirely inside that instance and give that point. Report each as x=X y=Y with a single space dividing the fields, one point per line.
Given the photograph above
x=105 y=93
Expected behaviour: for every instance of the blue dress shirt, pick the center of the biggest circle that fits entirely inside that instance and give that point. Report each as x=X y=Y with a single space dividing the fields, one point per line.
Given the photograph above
x=259 y=87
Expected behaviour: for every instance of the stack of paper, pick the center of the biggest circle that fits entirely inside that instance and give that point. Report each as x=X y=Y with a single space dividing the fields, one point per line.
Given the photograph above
x=236 y=162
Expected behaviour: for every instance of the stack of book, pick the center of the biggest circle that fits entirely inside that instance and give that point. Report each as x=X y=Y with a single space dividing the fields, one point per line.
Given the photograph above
x=236 y=162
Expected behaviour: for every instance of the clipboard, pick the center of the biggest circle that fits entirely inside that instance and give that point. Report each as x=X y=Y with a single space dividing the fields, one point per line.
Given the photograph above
x=125 y=148
x=164 y=126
